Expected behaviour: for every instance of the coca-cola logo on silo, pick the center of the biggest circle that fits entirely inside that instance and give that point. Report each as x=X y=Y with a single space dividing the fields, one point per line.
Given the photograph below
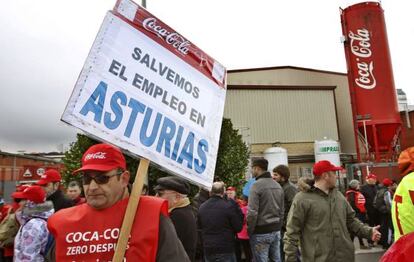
x=361 y=48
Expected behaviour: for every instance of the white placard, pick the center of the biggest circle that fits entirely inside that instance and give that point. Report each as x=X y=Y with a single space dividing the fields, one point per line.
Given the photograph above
x=135 y=93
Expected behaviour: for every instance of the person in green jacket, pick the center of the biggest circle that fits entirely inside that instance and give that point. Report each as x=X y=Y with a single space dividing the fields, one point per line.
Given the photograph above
x=320 y=221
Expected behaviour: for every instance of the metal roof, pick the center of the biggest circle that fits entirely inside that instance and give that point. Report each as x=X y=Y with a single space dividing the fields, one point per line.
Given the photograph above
x=38 y=158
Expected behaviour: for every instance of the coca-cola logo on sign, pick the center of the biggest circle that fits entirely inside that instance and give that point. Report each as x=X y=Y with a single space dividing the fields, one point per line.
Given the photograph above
x=360 y=47
x=171 y=38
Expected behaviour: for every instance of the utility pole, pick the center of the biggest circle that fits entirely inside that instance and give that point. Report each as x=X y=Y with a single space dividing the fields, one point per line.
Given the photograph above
x=146 y=182
x=407 y=115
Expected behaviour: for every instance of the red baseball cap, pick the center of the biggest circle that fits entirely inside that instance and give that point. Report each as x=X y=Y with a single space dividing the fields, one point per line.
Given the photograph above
x=387 y=182
x=102 y=157
x=324 y=166
x=231 y=188
x=50 y=176
x=19 y=189
x=372 y=176
x=35 y=194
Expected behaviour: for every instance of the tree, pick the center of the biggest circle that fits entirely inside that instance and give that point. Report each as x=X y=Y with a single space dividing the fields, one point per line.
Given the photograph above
x=232 y=159
x=73 y=157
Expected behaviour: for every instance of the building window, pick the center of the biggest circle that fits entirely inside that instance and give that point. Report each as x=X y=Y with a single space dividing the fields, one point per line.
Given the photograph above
x=305 y=171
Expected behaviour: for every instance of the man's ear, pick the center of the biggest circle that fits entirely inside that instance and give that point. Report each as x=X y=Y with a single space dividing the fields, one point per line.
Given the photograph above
x=125 y=178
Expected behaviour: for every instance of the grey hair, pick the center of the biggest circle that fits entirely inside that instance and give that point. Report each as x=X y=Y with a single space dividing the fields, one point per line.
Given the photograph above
x=353 y=183
x=217 y=189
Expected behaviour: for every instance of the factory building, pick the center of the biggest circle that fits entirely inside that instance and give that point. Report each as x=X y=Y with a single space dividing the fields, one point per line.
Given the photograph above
x=291 y=107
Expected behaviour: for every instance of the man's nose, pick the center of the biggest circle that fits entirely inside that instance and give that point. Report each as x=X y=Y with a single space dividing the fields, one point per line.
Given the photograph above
x=93 y=185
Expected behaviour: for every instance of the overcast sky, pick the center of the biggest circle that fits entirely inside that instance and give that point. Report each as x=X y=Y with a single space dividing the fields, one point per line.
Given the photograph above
x=44 y=44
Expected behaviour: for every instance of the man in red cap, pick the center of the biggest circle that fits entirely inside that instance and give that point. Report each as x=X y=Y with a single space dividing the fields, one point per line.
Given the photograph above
x=89 y=232
x=321 y=220
x=382 y=203
x=369 y=190
x=50 y=182
x=10 y=226
x=231 y=193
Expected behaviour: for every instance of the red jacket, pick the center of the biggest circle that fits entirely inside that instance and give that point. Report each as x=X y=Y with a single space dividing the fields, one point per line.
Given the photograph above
x=400 y=251
x=4 y=211
x=359 y=200
x=79 y=201
x=83 y=233
x=8 y=251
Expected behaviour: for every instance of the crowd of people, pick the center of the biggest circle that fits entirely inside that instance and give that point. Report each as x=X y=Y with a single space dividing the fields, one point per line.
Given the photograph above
x=24 y=235
x=274 y=220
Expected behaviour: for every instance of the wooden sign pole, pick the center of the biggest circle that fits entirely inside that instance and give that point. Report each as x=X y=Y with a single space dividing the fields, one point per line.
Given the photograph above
x=131 y=210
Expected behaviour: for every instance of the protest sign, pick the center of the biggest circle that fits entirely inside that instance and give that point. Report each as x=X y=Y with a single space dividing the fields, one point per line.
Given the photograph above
x=150 y=91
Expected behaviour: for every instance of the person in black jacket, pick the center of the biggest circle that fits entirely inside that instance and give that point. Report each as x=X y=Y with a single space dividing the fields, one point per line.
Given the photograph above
x=50 y=182
x=369 y=190
x=182 y=213
x=281 y=174
x=202 y=196
x=219 y=220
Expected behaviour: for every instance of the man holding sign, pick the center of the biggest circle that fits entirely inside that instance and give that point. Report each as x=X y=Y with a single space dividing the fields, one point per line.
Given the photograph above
x=89 y=232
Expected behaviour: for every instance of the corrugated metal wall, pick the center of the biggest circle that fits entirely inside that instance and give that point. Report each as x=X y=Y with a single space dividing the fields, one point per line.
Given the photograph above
x=287 y=116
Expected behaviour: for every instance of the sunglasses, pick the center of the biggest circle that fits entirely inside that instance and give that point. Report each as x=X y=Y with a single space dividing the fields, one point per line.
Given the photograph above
x=99 y=177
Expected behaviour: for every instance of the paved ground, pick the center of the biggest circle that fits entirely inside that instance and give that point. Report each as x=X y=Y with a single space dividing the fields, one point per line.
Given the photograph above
x=367 y=255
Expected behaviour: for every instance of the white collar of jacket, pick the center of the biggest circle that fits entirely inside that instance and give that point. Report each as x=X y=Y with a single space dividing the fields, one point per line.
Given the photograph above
x=182 y=203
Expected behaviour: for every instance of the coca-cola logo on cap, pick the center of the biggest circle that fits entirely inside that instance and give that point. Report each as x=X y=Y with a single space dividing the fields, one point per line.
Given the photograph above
x=360 y=47
x=171 y=38
x=97 y=155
